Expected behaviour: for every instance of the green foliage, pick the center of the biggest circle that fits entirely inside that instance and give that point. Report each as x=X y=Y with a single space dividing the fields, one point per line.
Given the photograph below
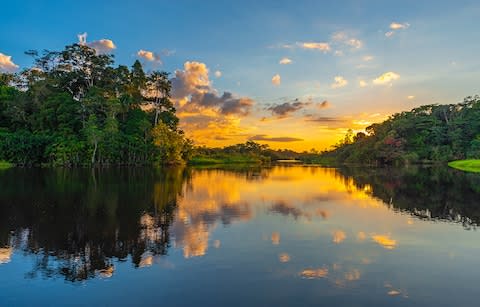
x=74 y=107
x=430 y=133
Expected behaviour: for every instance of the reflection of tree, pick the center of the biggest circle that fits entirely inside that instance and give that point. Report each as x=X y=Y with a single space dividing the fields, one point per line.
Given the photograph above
x=427 y=192
x=74 y=222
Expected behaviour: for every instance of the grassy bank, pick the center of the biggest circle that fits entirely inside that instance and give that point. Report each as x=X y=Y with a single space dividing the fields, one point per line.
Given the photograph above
x=227 y=159
x=5 y=165
x=466 y=165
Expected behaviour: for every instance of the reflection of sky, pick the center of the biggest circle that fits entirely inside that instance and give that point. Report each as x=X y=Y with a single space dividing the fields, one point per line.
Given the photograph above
x=302 y=233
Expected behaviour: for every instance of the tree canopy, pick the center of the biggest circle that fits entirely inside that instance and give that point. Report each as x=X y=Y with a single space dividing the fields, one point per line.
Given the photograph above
x=75 y=107
x=425 y=134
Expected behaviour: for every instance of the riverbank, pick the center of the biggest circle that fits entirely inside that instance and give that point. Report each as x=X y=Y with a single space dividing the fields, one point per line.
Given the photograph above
x=466 y=165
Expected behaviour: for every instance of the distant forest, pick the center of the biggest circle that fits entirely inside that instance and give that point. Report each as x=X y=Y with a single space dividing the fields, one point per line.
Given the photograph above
x=430 y=133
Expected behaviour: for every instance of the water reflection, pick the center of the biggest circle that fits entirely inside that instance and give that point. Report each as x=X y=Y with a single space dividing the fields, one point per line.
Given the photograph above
x=77 y=224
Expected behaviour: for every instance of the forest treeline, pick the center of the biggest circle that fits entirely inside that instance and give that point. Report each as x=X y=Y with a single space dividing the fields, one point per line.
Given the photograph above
x=74 y=107
x=430 y=133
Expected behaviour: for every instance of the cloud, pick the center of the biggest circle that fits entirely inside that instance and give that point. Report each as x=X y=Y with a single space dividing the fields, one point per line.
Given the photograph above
x=218 y=73
x=286 y=108
x=149 y=56
x=362 y=83
x=326 y=119
x=6 y=63
x=325 y=47
x=324 y=104
x=101 y=46
x=276 y=80
x=285 y=61
x=410 y=97
x=339 y=82
x=345 y=39
x=367 y=58
x=283 y=139
x=389 y=33
x=398 y=26
x=191 y=88
x=227 y=103
x=395 y=26
x=386 y=78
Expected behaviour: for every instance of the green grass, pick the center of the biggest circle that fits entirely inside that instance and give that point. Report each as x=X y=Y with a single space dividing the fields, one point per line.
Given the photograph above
x=231 y=159
x=5 y=164
x=466 y=165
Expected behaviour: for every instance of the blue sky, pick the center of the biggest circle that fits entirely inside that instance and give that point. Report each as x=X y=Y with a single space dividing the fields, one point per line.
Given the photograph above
x=432 y=53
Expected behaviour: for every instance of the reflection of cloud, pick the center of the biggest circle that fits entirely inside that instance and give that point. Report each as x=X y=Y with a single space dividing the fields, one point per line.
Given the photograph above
x=107 y=272
x=393 y=292
x=314 y=273
x=352 y=275
x=202 y=208
x=284 y=257
x=5 y=255
x=385 y=241
x=338 y=236
x=284 y=209
x=146 y=260
x=275 y=238
x=361 y=236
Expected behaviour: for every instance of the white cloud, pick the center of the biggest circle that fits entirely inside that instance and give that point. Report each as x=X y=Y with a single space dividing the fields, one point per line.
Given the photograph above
x=344 y=38
x=338 y=52
x=285 y=61
x=6 y=63
x=355 y=43
x=395 y=26
x=101 y=46
x=276 y=80
x=149 y=56
x=325 y=47
x=367 y=58
x=389 y=33
x=218 y=73
x=362 y=83
x=398 y=26
x=410 y=97
x=339 y=82
x=386 y=78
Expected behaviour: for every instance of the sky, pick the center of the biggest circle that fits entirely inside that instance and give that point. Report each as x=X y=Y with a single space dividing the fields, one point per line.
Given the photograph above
x=290 y=74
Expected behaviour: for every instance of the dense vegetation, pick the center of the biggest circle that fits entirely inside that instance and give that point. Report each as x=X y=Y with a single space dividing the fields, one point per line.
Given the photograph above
x=430 y=133
x=74 y=107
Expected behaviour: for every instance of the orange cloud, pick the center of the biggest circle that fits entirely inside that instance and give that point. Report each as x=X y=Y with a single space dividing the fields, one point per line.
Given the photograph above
x=6 y=63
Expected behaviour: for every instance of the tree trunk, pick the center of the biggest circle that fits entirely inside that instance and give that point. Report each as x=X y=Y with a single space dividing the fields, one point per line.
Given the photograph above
x=94 y=152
